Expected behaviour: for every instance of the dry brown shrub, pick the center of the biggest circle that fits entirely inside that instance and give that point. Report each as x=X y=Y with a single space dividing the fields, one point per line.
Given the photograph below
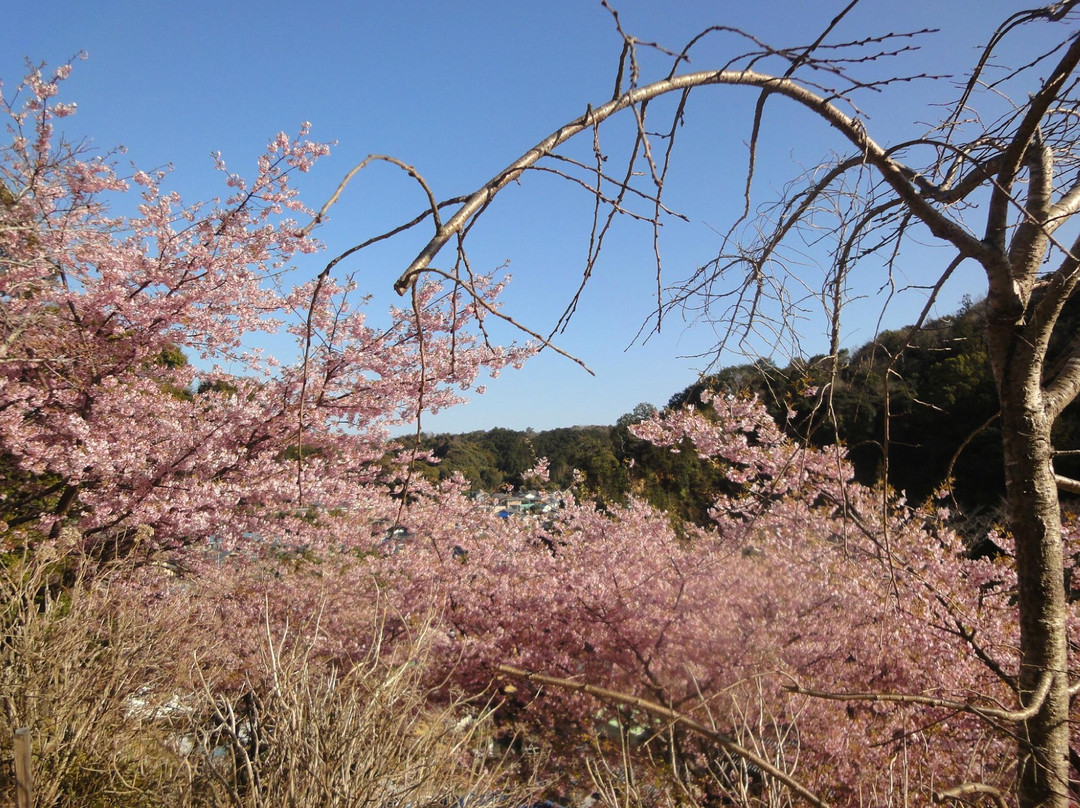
x=124 y=711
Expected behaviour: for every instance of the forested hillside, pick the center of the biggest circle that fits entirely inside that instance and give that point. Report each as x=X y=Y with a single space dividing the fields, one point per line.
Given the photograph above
x=933 y=387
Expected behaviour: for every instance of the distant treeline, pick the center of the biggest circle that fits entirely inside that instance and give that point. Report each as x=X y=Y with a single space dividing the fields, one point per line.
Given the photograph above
x=924 y=399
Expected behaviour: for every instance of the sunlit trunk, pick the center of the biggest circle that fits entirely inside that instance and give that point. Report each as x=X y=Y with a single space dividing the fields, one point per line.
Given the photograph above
x=1035 y=520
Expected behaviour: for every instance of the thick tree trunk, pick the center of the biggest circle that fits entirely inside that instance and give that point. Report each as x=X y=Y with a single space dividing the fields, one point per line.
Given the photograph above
x=1035 y=520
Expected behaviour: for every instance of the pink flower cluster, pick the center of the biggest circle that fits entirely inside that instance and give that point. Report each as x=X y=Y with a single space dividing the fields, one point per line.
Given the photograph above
x=101 y=416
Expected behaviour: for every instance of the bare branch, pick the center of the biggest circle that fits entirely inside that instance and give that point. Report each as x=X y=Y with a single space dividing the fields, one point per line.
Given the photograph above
x=1026 y=132
x=433 y=209
x=759 y=109
x=597 y=191
x=491 y=310
x=1053 y=12
x=964 y=444
x=309 y=331
x=457 y=200
x=1067 y=484
x=1014 y=716
x=1064 y=208
x=893 y=172
x=967 y=789
x=1029 y=240
x=1062 y=379
x=677 y=718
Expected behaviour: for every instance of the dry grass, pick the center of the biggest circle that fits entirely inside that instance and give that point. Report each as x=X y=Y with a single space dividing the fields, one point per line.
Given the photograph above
x=310 y=734
x=124 y=713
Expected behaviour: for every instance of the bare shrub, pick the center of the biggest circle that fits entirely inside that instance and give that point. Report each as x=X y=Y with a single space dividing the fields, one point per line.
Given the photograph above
x=675 y=769
x=77 y=659
x=132 y=703
x=303 y=731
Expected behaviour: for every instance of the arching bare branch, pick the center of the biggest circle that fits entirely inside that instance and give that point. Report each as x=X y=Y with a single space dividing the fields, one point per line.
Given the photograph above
x=894 y=173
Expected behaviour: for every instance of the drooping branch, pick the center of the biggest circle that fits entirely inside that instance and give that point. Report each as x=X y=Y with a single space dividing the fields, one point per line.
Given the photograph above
x=964 y=445
x=433 y=205
x=494 y=312
x=759 y=108
x=989 y=713
x=676 y=718
x=892 y=171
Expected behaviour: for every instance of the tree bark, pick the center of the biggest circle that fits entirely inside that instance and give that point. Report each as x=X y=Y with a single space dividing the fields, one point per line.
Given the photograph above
x=1035 y=519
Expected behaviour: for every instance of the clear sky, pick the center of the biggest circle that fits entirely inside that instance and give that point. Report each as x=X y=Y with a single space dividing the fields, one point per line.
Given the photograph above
x=460 y=88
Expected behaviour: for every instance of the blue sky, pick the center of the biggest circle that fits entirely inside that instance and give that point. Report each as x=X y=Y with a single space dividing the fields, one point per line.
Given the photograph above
x=459 y=89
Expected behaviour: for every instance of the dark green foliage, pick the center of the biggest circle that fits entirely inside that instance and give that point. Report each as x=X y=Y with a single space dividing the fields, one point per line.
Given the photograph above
x=591 y=451
x=682 y=484
x=27 y=495
x=217 y=386
x=489 y=460
x=468 y=455
x=641 y=412
x=613 y=464
x=171 y=357
x=935 y=385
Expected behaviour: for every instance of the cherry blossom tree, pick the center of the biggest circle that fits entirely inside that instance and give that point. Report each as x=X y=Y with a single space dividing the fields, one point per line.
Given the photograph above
x=994 y=181
x=106 y=424
x=178 y=509
x=853 y=651
x=134 y=414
